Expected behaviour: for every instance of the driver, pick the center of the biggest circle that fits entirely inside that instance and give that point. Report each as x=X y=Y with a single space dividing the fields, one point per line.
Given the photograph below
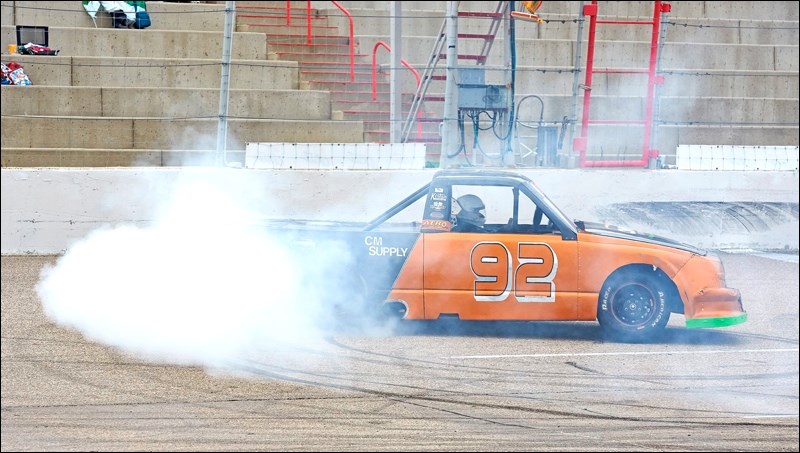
x=472 y=215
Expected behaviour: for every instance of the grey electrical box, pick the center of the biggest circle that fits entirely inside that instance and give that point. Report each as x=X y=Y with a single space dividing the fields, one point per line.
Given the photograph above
x=472 y=76
x=482 y=97
x=475 y=94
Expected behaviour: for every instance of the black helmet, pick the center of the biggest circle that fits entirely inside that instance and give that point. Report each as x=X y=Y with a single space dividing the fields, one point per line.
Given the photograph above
x=472 y=213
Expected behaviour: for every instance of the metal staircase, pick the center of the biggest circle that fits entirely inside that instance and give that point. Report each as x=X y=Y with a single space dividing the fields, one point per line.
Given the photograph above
x=327 y=61
x=437 y=54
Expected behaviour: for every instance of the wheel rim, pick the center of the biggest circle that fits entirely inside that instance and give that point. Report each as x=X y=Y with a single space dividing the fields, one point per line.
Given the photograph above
x=633 y=304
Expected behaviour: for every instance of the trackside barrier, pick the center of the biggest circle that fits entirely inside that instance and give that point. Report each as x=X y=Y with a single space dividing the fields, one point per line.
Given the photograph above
x=45 y=210
x=333 y=156
x=729 y=157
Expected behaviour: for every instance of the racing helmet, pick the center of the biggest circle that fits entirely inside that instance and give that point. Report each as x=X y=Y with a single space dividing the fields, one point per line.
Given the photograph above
x=472 y=213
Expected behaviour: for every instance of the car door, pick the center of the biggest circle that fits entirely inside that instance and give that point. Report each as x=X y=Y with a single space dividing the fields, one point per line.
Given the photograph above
x=510 y=270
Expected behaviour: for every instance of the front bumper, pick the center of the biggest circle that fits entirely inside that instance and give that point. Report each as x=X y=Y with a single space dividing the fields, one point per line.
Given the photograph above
x=716 y=307
x=725 y=321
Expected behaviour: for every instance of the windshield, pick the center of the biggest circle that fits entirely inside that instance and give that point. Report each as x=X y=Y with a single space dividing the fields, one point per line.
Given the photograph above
x=548 y=204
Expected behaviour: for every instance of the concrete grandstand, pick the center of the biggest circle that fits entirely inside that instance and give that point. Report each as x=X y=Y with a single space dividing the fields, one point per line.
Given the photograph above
x=118 y=97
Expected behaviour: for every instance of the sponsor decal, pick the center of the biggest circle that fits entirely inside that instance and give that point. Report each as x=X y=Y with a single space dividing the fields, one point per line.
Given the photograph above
x=375 y=247
x=435 y=225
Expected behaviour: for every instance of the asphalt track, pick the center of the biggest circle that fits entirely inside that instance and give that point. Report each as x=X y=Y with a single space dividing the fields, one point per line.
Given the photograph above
x=429 y=387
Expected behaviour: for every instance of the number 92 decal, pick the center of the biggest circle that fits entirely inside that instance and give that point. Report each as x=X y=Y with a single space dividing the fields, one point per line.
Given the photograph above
x=531 y=280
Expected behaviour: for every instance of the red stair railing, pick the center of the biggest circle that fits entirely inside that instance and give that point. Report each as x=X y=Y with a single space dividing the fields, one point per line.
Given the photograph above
x=375 y=77
x=352 y=40
x=309 y=39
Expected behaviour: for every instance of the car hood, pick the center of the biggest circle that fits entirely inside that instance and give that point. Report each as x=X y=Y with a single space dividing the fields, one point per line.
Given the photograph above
x=624 y=233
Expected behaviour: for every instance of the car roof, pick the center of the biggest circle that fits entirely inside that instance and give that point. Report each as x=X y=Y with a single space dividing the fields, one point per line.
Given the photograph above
x=481 y=174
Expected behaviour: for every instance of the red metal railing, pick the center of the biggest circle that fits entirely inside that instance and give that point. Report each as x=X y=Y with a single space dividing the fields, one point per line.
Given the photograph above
x=581 y=143
x=352 y=40
x=310 y=40
x=308 y=22
x=375 y=76
x=351 y=37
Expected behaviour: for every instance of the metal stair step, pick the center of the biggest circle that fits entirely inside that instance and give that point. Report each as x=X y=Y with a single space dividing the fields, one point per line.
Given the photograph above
x=478 y=58
x=289 y=46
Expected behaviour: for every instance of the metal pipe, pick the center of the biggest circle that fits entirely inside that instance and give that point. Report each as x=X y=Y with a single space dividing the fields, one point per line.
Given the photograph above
x=224 y=84
x=450 y=122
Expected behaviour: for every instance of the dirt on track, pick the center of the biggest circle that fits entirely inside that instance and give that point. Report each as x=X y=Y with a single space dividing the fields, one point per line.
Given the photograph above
x=441 y=386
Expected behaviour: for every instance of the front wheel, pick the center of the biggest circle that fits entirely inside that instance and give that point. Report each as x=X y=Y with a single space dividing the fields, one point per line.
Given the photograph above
x=633 y=306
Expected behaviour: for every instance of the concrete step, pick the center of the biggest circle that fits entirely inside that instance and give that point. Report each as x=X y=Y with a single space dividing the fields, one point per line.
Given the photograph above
x=335 y=48
x=710 y=10
x=293 y=29
x=155 y=72
x=337 y=57
x=207 y=16
x=681 y=25
x=550 y=80
x=740 y=83
x=673 y=109
x=619 y=142
x=115 y=42
x=736 y=111
x=164 y=103
x=677 y=30
x=703 y=82
x=609 y=54
x=361 y=96
x=139 y=133
x=311 y=75
x=276 y=8
x=302 y=38
x=93 y=157
x=278 y=17
x=356 y=86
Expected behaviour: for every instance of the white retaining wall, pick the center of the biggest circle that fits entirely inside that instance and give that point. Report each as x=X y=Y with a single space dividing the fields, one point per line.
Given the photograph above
x=44 y=211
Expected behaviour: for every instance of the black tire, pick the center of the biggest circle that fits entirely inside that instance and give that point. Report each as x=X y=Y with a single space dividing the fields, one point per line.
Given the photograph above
x=633 y=305
x=353 y=309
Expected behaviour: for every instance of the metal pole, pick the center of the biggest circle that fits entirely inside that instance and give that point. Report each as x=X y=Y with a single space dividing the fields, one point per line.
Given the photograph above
x=587 y=94
x=510 y=65
x=573 y=116
x=659 y=82
x=395 y=100
x=224 y=83
x=450 y=123
x=649 y=155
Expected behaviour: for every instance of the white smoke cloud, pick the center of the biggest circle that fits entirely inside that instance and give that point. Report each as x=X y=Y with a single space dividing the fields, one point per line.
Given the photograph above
x=203 y=284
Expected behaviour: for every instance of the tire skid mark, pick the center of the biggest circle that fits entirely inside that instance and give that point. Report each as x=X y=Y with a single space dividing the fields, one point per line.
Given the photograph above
x=406 y=398
x=445 y=366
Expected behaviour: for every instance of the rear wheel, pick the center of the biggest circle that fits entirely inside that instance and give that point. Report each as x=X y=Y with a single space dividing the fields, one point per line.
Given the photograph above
x=354 y=308
x=633 y=305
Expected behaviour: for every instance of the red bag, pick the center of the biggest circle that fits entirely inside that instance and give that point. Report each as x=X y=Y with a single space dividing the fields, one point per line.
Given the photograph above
x=35 y=49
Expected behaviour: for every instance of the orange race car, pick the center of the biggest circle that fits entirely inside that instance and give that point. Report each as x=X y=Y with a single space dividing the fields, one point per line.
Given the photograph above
x=491 y=246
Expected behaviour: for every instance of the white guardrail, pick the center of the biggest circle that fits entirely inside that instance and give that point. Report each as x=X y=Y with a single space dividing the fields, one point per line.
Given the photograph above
x=335 y=156
x=716 y=157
